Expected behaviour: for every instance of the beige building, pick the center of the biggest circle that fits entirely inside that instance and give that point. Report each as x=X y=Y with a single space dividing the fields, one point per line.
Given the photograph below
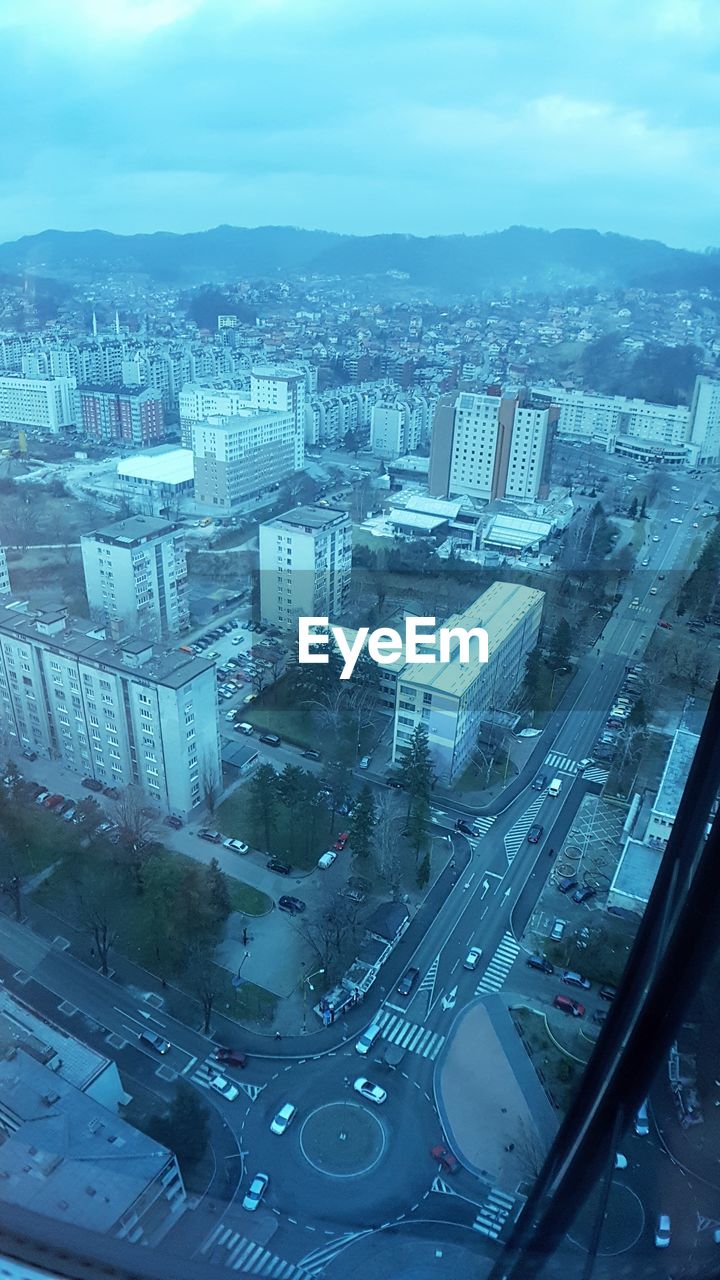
x=305 y=563
x=242 y=455
x=491 y=446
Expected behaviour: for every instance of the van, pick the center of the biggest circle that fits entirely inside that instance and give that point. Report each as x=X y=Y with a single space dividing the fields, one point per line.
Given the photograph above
x=271 y=739
x=555 y=787
x=368 y=1038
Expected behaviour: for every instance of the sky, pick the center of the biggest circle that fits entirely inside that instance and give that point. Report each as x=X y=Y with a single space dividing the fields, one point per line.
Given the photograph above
x=382 y=116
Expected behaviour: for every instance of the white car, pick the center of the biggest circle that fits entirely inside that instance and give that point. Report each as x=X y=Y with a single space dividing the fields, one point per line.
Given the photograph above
x=620 y=1160
x=645 y=563
x=327 y=859
x=662 y=1231
x=255 y=1191
x=472 y=958
x=634 y=603
x=586 y=762
x=230 y=715
x=283 y=1119
x=372 y=1092
x=642 y=1124
x=653 y=591
x=655 y=538
x=224 y=1088
x=235 y=640
x=237 y=846
x=365 y=762
x=558 y=930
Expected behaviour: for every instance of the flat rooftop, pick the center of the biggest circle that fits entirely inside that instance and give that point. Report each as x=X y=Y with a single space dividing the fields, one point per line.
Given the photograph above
x=162 y=465
x=636 y=871
x=133 y=531
x=675 y=773
x=21 y=1026
x=311 y=519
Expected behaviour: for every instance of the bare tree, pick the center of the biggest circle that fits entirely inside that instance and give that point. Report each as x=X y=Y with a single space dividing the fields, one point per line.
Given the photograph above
x=333 y=932
x=529 y=1148
x=388 y=826
x=138 y=839
x=209 y=783
x=205 y=981
x=104 y=936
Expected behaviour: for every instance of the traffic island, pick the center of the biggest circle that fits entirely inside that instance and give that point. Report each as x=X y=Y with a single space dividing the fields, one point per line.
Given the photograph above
x=342 y=1140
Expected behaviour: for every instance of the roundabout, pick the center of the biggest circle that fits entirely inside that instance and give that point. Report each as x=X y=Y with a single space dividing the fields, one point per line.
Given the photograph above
x=342 y=1140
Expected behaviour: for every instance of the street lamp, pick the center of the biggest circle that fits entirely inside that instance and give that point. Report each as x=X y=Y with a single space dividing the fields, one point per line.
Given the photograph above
x=305 y=983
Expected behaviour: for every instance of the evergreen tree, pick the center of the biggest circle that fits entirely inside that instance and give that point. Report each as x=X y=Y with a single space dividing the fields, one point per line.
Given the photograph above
x=560 y=644
x=263 y=801
x=423 y=872
x=416 y=771
x=219 y=891
x=533 y=678
x=633 y=509
x=362 y=822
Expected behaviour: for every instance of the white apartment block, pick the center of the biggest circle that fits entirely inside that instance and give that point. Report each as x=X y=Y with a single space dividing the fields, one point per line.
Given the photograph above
x=47 y=404
x=281 y=389
x=389 y=430
x=196 y=403
x=126 y=714
x=136 y=577
x=450 y=698
x=585 y=415
x=526 y=453
x=705 y=421
x=305 y=563
x=488 y=446
x=240 y=456
x=5 y=588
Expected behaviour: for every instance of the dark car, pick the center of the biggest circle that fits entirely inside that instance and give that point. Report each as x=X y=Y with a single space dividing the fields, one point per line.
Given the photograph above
x=53 y=801
x=29 y=755
x=599 y=1016
x=111 y=792
x=566 y=884
x=92 y=784
x=464 y=827
x=566 y=1005
x=214 y=837
x=310 y=754
x=607 y=992
x=540 y=782
x=270 y=739
x=281 y=868
x=295 y=906
x=230 y=1057
x=584 y=893
x=154 y=1041
x=540 y=963
x=535 y=833
x=407 y=982
x=396 y=784
x=172 y=821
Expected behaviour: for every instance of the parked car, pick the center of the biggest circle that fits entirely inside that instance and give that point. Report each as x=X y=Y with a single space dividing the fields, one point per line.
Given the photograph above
x=154 y=1041
x=607 y=992
x=270 y=739
x=566 y=884
x=535 y=833
x=566 y=1005
x=92 y=784
x=365 y=762
x=173 y=821
x=574 y=979
x=283 y=1119
x=407 y=982
x=444 y=1158
x=112 y=793
x=642 y=1123
x=53 y=801
x=214 y=837
x=42 y=797
x=255 y=1192
x=295 y=906
x=311 y=754
x=371 y=1092
x=662 y=1231
x=68 y=815
x=327 y=859
x=224 y=1088
x=230 y=1057
x=540 y=782
x=395 y=784
x=584 y=894
x=280 y=868
x=599 y=1016
x=237 y=846
x=540 y=963
x=29 y=755
x=558 y=930
x=341 y=841
x=244 y=727
x=472 y=958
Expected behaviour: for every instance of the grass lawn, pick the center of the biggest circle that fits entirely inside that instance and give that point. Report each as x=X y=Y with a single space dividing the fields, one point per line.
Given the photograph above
x=292 y=724
x=247 y=1003
x=46 y=838
x=475 y=778
x=247 y=900
x=558 y=1073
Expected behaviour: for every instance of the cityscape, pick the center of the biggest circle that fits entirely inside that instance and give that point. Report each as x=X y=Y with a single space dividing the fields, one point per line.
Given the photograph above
x=330 y=941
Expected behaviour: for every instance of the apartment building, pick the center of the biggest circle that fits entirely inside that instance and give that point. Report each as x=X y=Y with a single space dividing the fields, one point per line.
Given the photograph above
x=45 y=403
x=136 y=577
x=305 y=562
x=5 y=587
x=450 y=698
x=491 y=446
x=242 y=455
x=281 y=389
x=127 y=714
x=605 y=420
x=389 y=430
x=197 y=403
x=705 y=422
x=64 y=1155
x=128 y=415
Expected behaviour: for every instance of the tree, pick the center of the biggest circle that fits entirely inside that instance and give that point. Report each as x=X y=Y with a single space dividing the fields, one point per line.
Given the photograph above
x=204 y=979
x=263 y=801
x=643 y=510
x=88 y=815
x=98 y=917
x=333 y=932
x=560 y=645
x=639 y=714
x=423 y=871
x=533 y=678
x=209 y=783
x=185 y=1128
x=137 y=834
x=633 y=509
x=219 y=891
x=387 y=845
x=416 y=770
x=362 y=823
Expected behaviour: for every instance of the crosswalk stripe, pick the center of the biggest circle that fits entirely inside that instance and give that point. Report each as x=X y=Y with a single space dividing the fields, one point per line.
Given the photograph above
x=410 y=1036
x=314 y=1262
x=499 y=966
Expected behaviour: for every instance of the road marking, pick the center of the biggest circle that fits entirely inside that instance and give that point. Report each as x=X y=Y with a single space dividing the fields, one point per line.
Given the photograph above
x=450 y=1000
x=499 y=967
x=517 y=833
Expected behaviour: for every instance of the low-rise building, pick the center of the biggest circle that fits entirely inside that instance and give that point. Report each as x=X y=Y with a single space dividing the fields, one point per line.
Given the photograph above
x=157 y=480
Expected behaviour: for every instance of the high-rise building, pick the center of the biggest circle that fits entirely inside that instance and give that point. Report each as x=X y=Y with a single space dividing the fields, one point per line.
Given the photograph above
x=131 y=415
x=46 y=403
x=491 y=446
x=136 y=577
x=705 y=421
x=305 y=562
x=5 y=587
x=197 y=402
x=389 y=430
x=240 y=456
x=126 y=714
x=282 y=389
x=451 y=698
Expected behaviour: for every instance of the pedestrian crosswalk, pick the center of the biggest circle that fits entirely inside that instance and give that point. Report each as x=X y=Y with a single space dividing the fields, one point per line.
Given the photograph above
x=316 y=1261
x=494 y=1213
x=227 y=1248
x=482 y=825
x=517 y=833
x=594 y=773
x=499 y=967
x=202 y=1075
x=563 y=764
x=409 y=1035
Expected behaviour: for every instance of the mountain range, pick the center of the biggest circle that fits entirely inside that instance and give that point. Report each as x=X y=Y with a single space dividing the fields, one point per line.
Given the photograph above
x=524 y=258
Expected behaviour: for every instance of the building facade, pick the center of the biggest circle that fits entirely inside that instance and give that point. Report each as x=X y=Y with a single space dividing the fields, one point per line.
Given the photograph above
x=451 y=698
x=282 y=390
x=305 y=564
x=240 y=456
x=136 y=577
x=128 y=415
x=127 y=714
x=45 y=403
x=197 y=403
x=491 y=446
x=705 y=421
x=389 y=430
x=5 y=587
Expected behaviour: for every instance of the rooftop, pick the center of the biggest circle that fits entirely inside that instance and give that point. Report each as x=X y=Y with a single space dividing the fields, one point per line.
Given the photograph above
x=310 y=518
x=675 y=773
x=164 y=464
x=133 y=531
x=48 y=1043
x=636 y=871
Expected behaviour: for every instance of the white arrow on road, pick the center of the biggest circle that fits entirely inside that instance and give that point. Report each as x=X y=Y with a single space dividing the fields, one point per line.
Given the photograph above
x=449 y=1001
x=485 y=888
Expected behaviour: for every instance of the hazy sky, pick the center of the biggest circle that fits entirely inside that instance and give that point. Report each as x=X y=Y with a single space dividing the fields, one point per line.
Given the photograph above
x=426 y=116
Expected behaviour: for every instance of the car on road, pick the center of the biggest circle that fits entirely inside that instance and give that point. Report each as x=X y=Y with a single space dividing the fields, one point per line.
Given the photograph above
x=539 y=963
x=645 y=563
x=607 y=991
x=283 y=1119
x=653 y=591
x=371 y=1092
x=584 y=894
x=230 y=1057
x=444 y=1158
x=341 y=841
x=280 y=868
x=472 y=958
x=540 y=782
x=558 y=930
x=255 y=1191
x=244 y=727
x=395 y=784
x=173 y=821
x=237 y=846
x=214 y=837
x=642 y=1123
x=574 y=979
x=566 y=1005
x=535 y=833
x=294 y=906
x=407 y=982
x=464 y=827
x=224 y=1088
x=662 y=1231
x=270 y=739
x=365 y=762
x=666 y=626
x=327 y=859
x=154 y=1041
x=635 y=602
x=566 y=884
x=92 y=784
